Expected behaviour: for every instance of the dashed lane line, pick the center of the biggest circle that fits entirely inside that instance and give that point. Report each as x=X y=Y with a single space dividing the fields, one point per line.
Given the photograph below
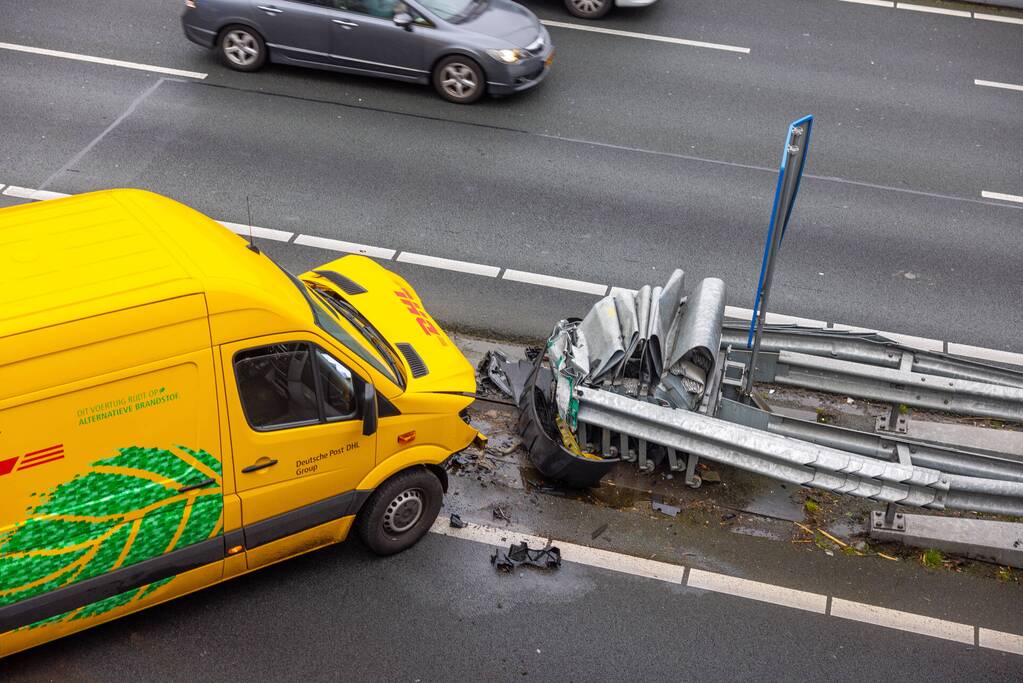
x=998 y=18
x=1004 y=197
x=997 y=84
x=875 y=3
x=933 y=10
x=645 y=36
x=102 y=60
x=741 y=588
x=581 y=286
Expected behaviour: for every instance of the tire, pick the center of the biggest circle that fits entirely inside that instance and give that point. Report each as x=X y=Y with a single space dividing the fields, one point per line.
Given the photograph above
x=400 y=511
x=589 y=9
x=242 y=48
x=452 y=76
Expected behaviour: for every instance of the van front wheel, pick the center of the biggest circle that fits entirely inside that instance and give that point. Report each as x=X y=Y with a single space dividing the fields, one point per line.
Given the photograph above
x=400 y=512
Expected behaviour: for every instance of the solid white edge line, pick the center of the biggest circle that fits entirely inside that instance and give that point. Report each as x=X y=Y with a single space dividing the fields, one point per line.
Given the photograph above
x=999 y=640
x=555 y=282
x=996 y=84
x=874 y=3
x=1004 y=197
x=732 y=312
x=755 y=590
x=995 y=17
x=102 y=60
x=645 y=36
x=341 y=245
x=34 y=195
x=903 y=621
x=264 y=233
x=448 y=264
x=485 y=534
x=932 y=10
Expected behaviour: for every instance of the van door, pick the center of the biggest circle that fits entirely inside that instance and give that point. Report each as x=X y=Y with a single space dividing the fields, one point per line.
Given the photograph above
x=296 y=412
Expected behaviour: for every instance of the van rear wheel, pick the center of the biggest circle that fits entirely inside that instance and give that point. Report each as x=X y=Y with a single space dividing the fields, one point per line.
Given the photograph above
x=400 y=511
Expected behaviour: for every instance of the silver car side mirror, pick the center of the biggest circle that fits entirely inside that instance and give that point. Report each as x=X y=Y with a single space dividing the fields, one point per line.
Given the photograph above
x=403 y=20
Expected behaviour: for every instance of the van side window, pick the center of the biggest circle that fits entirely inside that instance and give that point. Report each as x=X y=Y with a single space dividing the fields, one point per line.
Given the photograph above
x=295 y=384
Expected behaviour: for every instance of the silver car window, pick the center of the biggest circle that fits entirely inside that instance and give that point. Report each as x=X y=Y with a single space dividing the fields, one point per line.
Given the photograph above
x=447 y=9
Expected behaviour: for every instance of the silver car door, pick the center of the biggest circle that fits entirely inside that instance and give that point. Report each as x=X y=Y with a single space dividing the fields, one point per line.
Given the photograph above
x=298 y=31
x=364 y=38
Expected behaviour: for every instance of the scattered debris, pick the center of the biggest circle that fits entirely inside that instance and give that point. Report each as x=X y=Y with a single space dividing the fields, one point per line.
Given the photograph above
x=660 y=506
x=519 y=554
x=710 y=477
x=499 y=513
x=456 y=522
x=598 y=531
x=727 y=516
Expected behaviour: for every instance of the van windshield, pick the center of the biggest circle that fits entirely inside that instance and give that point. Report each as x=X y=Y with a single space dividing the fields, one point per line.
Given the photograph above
x=372 y=347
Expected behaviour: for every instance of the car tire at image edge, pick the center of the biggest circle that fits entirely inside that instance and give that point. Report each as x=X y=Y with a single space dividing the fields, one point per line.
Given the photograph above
x=400 y=511
x=589 y=9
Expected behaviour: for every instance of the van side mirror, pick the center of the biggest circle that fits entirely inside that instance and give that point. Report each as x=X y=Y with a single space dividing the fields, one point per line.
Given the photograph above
x=369 y=410
x=404 y=20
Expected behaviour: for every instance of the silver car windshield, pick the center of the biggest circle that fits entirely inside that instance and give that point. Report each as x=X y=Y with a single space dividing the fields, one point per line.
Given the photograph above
x=449 y=10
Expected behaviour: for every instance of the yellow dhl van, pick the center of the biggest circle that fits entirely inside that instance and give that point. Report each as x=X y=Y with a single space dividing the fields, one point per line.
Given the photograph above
x=176 y=409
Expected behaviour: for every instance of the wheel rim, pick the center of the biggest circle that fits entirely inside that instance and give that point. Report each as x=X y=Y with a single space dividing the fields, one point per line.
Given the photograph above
x=459 y=81
x=241 y=48
x=588 y=6
x=404 y=511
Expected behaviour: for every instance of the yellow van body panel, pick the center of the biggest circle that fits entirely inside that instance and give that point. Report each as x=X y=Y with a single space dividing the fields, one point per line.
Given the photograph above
x=123 y=446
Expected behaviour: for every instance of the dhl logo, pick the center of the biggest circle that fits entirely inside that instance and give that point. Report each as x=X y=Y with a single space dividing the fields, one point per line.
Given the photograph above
x=422 y=318
x=33 y=459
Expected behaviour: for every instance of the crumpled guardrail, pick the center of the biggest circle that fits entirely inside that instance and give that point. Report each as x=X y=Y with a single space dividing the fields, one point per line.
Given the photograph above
x=794 y=461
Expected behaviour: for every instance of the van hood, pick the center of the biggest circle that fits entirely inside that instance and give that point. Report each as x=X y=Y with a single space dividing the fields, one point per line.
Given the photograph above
x=503 y=19
x=430 y=360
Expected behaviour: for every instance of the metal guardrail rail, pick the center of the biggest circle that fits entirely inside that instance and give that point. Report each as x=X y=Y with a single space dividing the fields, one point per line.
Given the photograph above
x=791 y=460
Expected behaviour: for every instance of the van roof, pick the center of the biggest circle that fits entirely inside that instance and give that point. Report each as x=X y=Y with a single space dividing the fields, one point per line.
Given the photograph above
x=95 y=253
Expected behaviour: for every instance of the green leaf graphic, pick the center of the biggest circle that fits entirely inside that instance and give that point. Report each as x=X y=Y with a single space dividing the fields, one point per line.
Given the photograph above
x=87 y=526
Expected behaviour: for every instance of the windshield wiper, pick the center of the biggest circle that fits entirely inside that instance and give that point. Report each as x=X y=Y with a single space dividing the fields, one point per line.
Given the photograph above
x=359 y=322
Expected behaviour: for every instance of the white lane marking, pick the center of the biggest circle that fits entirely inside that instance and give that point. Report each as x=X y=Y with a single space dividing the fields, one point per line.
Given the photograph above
x=34 y=195
x=255 y=231
x=981 y=353
x=102 y=60
x=1003 y=197
x=645 y=36
x=742 y=588
x=996 y=84
x=932 y=10
x=555 y=282
x=341 y=245
x=996 y=17
x=485 y=534
x=903 y=621
x=754 y=590
x=617 y=562
x=587 y=287
x=875 y=3
x=448 y=264
x=999 y=640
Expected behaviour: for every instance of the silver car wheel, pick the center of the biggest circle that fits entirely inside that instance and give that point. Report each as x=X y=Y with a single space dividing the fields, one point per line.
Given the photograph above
x=589 y=6
x=241 y=48
x=404 y=511
x=459 y=81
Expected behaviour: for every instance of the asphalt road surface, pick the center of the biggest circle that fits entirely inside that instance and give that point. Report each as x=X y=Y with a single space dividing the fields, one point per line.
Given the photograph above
x=636 y=157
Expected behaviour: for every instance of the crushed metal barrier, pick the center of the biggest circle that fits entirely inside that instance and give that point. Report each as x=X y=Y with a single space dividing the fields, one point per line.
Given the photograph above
x=519 y=554
x=654 y=377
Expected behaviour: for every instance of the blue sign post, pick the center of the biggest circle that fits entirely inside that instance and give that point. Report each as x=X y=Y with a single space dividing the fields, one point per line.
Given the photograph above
x=793 y=158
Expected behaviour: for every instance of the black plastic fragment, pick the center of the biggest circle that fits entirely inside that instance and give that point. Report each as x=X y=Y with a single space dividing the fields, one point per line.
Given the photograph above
x=519 y=554
x=457 y=522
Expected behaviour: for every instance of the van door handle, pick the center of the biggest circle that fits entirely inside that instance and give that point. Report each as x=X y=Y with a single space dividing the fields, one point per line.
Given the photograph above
x=270 y=9
x=258 y=466
x=198 y=485
x=346 y=24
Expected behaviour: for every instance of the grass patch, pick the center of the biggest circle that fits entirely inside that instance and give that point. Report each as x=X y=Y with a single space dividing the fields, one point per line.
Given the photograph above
x=932 y=559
